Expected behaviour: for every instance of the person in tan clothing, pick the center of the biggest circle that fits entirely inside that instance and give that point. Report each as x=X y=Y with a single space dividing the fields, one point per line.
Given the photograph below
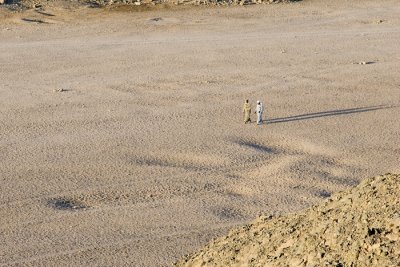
x=247 y=111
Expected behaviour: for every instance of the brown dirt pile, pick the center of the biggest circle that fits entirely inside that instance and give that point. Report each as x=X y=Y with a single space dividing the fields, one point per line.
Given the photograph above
x=27 y=4
x=359 y=227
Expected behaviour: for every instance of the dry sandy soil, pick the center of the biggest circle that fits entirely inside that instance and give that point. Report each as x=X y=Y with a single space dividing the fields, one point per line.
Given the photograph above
x=143 y=156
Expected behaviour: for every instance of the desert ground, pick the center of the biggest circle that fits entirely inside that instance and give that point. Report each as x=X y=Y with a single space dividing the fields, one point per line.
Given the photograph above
x=122 y=140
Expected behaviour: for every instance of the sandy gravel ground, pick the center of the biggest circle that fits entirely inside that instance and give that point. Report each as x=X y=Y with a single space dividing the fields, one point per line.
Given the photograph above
x=143 y=157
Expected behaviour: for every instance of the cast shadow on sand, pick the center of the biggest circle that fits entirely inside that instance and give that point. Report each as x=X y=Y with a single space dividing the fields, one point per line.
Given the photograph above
x=328 y=113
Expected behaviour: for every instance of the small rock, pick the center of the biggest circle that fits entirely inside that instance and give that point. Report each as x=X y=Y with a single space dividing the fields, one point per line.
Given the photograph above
x=296 y=262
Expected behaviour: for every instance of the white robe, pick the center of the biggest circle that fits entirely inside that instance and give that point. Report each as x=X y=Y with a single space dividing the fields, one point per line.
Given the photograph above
x=259 y=111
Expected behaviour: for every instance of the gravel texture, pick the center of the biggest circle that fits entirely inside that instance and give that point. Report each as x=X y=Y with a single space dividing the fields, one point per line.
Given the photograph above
x=122 y=140
x=357 y=227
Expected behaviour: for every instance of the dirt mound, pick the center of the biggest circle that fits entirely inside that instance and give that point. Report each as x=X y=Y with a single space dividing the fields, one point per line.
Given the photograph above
x=359 y=227
x=26 y=4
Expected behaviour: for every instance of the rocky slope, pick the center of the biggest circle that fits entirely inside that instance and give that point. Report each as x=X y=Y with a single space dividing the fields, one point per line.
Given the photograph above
x=112 y=3
x=359 y=227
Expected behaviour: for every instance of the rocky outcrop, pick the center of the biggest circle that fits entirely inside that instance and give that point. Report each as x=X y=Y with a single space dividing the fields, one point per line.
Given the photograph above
x=27 y=4
x=185 y=2
x=40 y=4
x=359 y=227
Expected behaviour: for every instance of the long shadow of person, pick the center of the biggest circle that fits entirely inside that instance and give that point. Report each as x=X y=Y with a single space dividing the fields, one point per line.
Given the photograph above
x=329 y=113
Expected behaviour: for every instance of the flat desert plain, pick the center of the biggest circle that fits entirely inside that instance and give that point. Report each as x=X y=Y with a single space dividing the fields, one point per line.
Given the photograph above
x=122 y=140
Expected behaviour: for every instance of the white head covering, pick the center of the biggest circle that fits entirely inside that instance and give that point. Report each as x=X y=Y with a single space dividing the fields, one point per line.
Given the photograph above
x=258 y=102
